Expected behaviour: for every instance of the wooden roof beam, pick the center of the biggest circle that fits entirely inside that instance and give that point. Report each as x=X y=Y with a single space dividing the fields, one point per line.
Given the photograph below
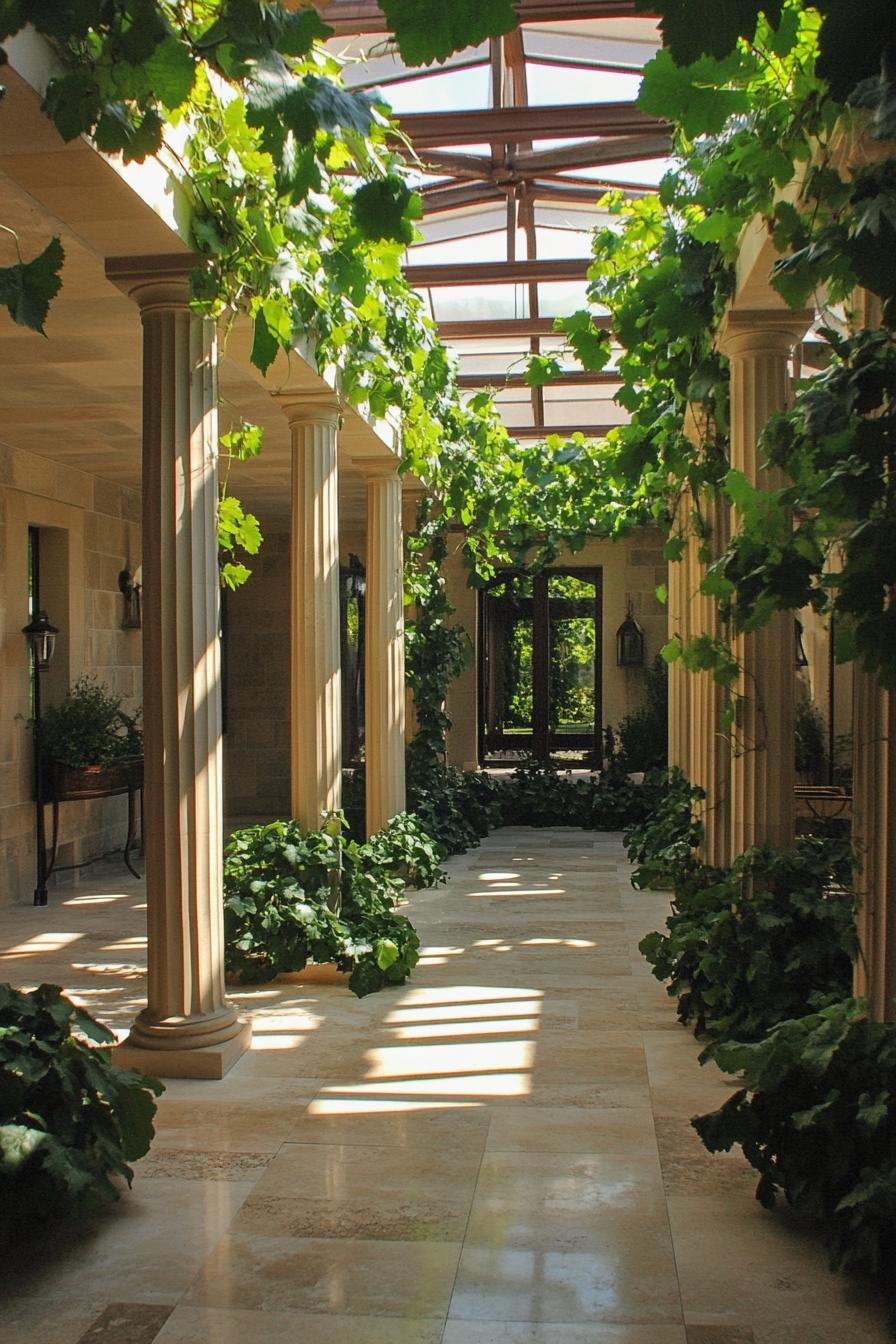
x=487 y=328
x=515 y=124
x=348 y=17
x=496 y=272
x=572 y=378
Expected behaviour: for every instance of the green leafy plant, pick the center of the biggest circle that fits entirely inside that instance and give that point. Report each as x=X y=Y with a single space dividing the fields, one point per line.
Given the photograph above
x=757 y=943
x=70 y=1120
x=456 y=807
x=811 y=746
x=89 y=727
x=544 y=795
x=817 y=1119
x=643 y=734
x=291 y=897
x=662 y=845
x=403 y=847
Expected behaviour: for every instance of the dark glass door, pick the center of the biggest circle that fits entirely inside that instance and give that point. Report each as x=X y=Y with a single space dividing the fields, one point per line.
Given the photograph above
x=540 y=690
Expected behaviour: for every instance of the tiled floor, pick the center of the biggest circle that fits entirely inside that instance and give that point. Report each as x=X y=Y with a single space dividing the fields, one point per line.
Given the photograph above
x=497 y=1153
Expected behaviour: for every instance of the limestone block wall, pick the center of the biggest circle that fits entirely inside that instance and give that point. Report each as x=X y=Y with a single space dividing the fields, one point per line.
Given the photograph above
x=89 y=531
x=632 y=567
x=256 y=684
x=256 y=689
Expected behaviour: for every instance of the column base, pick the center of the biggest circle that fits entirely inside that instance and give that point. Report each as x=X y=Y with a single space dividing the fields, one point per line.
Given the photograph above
x=203 y=1061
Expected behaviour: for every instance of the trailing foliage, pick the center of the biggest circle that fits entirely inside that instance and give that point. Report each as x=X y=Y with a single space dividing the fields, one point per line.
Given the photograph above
x=70 y=1120
x=747 y=947
x=663 y=843
x=89 y=727
x=817 y=1119
x=291 y=897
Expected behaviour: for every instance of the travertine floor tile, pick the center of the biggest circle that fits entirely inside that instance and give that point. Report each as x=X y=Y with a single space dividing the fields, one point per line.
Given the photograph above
x=498 y=1152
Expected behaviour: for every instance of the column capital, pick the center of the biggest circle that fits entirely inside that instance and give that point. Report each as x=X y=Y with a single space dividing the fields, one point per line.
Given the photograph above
x=762 y=331
x=153 y=281
x=310 y=408
x=377 y=468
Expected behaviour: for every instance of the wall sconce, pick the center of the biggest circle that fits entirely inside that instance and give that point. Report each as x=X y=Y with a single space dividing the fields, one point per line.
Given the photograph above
x=130 y=586
x=802 y=658
x=629 y=641
x=41 y=637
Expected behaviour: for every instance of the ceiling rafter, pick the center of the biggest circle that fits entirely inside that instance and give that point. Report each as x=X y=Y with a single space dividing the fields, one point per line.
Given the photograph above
x=429 y=130
x=570 y=378
x=350 y=17
x=494 y=327
x=436 y=275
x=542 y=431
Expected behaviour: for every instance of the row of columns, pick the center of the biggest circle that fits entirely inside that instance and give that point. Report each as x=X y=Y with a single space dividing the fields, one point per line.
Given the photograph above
x=188 y=1027
x=749 y=774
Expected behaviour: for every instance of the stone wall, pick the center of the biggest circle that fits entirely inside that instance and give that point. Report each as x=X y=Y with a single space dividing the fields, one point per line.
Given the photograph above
x=89 y=531
x=256 y=689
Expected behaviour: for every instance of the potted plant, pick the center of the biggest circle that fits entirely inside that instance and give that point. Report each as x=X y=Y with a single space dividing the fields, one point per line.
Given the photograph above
x=89 y=746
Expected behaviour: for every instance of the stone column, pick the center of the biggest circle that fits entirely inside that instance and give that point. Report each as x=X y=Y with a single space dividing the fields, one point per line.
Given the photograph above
x=384 y=704
x=677 y=613
x=711 y=753
x=315 y=685
x=758 y=345
x=188 y=1028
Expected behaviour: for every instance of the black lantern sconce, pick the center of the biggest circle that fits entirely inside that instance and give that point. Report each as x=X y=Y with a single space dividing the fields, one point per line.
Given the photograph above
x=802 y=658
x=41 y=637
x=130 y=586
x=629 y=641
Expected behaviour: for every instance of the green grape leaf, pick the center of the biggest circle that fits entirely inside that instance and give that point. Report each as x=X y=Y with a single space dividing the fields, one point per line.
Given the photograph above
x=171 y=72
x=589 y=343
x=694 y=28
x=28 y=287
x=691 y=94
x=384 y=209
x=542 y=369
x=430 y=30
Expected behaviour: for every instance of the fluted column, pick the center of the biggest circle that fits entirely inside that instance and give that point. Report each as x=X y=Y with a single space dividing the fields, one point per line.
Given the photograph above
x=384 y=713
x=188 y=1028
x=315 y=686
x=712 y=751
x=678 y=627
x=758 y=346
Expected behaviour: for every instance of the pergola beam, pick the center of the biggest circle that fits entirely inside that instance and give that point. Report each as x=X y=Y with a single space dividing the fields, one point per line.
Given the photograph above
x=592 y=154
x=437 y=276
x=348 y=17
x=563 y=431
x=488 y=328
x=512 y=125
x=572 y=378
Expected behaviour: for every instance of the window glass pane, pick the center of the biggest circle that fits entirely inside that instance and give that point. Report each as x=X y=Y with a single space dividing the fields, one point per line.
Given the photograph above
x=552 y=85
x=452 y=90
x=478 y=301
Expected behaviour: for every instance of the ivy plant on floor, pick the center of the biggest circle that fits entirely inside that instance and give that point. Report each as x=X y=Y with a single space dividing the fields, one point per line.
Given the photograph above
x=291 y=897
x=70 y=1120
x=817 y=1119
x=746 y=947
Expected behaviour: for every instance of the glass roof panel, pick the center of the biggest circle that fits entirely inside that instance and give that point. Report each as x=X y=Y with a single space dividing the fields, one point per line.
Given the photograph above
x=563 y=242
x=462 y=302
x=557 y=298
x=478 y=247
x=645 y=172
x=461 y=90
x=553 y=84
